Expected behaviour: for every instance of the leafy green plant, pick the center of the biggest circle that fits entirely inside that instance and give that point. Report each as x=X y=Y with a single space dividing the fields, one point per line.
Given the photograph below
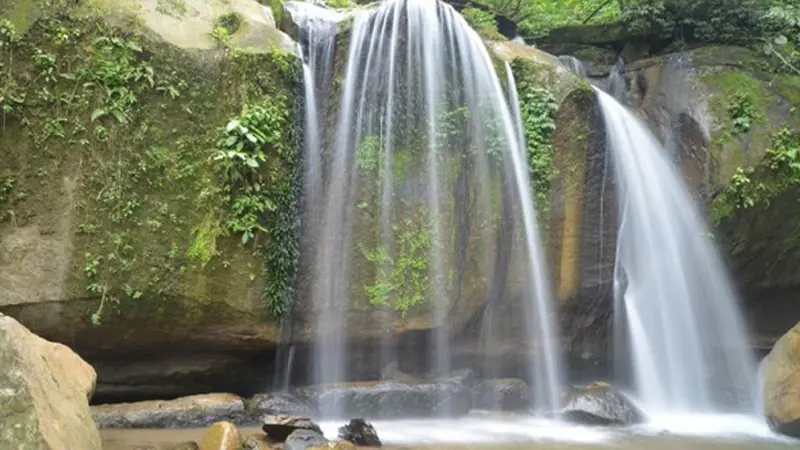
x=749 y=187
x=225 y=27
x=481 y=21
x=742 y=113
x=340 y=3
x=248 y=155
x=538 y=107
x=117 y=68
x=402 y=280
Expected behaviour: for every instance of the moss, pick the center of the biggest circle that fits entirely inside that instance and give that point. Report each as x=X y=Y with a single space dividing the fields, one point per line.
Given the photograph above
x=174 y=8
x=730 y=147
x=276 y=6
x=146 y=195
x=789 y=88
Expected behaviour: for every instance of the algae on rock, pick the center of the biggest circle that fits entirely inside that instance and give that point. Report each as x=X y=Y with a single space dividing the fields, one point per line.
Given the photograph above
x=118 y=208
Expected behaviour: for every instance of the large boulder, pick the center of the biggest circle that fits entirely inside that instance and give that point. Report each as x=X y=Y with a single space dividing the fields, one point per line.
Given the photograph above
x=186 y=412
x=221 y=436
x=152 y=300
x=599 y=404
x=361 y=433
x=44 y=393
x=781 y=384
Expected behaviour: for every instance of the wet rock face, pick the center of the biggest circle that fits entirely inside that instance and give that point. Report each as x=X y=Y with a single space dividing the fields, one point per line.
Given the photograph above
x=389 y=400
x=280 y=403
x=781 y=389
x=186 y=412
x=361 y=433
x=599 y=404
x=504 y=395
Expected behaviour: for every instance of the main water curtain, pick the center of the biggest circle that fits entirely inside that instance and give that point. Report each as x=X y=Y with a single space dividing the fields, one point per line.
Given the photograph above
x=425 y=163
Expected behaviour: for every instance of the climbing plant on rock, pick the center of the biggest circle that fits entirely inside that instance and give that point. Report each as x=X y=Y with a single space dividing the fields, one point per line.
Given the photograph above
x=257 y=160
x=538 y=107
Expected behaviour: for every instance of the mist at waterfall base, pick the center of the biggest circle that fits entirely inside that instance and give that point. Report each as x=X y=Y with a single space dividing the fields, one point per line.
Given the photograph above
x=424 y=170
x=423 y=125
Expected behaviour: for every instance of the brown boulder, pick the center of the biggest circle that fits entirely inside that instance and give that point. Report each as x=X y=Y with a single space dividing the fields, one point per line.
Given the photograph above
x=44 y=393
x=221 y=436
x=781 y=384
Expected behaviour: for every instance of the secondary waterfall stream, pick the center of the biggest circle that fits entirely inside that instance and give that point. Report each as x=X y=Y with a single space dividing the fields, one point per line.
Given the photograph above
x=686 y=337
x=424 y=171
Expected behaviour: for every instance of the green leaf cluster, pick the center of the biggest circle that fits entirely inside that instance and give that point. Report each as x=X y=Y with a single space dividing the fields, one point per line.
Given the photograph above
x=402 y=278
x=256 y=159
x=778 y=172
x=538 y=108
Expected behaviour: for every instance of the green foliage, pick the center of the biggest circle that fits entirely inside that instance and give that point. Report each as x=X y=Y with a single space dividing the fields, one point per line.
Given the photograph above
x=11 y=93
x=781 y=40
x=257 y=191
x=368 y=154
x=536 y=18
x=276 y=6
x=226 y=26
x=778 y=172
x=742 y=112
x=117 y=68
x=340 y=3
x=481 y=21
x=538 y=107
x=701 y=20
x=402 y=279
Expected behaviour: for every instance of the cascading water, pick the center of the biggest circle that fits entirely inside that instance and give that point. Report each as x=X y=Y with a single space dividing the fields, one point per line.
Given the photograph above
x=574 y=64
x=426 y=166
x=686 y=337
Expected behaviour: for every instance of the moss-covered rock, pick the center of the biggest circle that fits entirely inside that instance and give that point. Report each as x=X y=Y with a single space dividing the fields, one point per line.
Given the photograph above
x=117 y=224
x=721 y=109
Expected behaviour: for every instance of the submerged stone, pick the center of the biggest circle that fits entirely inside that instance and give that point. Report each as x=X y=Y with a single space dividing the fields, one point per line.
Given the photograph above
x=304 y=439
x=221 y=436
x=510 y=394
x=360 y=432
x=781 y=385
x=599 y=404
x=279 y=427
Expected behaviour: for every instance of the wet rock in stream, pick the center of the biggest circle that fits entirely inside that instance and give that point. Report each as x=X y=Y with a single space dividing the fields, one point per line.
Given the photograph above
x=304 y=440
x=280 y=427
x=599 y=404
x=360 y=432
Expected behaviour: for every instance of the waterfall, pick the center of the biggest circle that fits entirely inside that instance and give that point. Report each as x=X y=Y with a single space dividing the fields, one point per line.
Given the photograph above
x=685 y=335
x=426 y=203
x=574 y=64
x=546 y=368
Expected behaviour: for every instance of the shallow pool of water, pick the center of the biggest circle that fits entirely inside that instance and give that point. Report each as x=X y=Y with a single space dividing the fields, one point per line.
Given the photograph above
x=492 y=431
